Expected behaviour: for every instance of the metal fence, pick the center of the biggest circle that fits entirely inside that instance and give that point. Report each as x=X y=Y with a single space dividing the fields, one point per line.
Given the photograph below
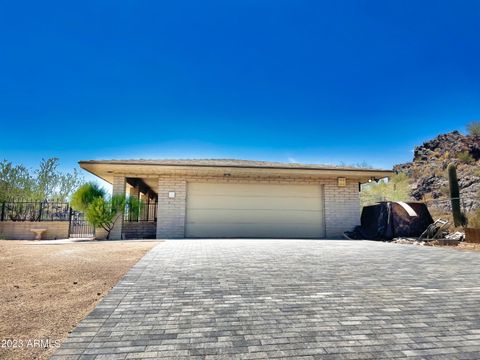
x=60 y=211
x=147 y=212
x=34 y=211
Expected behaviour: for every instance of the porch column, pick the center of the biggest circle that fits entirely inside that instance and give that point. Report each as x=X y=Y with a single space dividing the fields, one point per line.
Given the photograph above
x=172 y=194
x=118 y=188
x=145 y=201
x=134 y=193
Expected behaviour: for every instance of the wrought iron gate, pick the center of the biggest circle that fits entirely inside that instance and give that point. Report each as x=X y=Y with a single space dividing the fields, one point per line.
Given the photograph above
x=79 y=227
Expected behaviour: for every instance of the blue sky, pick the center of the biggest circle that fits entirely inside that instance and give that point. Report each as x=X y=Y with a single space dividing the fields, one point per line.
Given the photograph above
x=307 y=81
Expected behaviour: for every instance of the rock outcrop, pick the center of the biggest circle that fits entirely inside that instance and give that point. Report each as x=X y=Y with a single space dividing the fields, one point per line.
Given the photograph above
x=427 y=171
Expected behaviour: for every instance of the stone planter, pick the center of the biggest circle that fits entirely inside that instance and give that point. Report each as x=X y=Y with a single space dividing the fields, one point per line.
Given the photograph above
x=472 y=235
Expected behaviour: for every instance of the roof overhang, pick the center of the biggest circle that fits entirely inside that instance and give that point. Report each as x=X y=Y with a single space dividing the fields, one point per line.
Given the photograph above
x=106 y=170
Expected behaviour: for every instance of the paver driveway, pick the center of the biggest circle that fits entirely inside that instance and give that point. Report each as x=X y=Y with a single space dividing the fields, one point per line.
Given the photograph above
x=255 y=299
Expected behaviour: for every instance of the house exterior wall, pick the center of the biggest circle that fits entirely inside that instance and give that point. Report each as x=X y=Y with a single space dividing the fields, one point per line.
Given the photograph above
x=342 y=204
x=171 y=211
x=118 y=188
x=139 y=230
x=20 y=230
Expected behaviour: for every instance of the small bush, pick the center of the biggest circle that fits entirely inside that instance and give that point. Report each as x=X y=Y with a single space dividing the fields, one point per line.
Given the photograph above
x=397 y=189
x=474 y=219
x=474 y=128
x=465 y=157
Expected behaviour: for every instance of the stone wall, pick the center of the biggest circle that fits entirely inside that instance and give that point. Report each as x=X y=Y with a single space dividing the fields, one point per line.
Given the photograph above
x=20 y=230
x=139 y=230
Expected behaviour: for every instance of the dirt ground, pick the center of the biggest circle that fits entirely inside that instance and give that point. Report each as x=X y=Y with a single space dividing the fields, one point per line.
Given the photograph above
x=46 y=290
x=468 y=246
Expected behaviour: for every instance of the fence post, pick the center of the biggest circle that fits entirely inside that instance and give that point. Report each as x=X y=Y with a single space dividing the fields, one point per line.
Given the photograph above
x=69 y=220
x=40 y=211
x=3 y=212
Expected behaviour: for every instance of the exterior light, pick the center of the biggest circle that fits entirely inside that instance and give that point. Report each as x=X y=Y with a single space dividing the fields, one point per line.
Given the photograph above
x=342 y=182
x=171 y=194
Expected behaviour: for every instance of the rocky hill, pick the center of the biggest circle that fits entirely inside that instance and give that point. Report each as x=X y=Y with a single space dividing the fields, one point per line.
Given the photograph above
x=427 y=171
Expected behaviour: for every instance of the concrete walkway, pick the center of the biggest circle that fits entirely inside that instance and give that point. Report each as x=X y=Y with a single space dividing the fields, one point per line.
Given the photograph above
x=257 y=299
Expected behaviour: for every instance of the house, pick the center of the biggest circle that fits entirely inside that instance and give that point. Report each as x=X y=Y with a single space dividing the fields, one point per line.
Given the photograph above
x=235 y=198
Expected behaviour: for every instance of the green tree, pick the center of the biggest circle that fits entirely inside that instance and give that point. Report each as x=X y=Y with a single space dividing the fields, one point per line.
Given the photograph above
x=85 y=195
x=53 y=184
x=101 y=210
x=17 y=182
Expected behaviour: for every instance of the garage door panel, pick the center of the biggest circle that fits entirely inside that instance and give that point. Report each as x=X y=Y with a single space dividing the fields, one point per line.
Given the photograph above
x=230 y=216
x=251 y=202
x=271 y=190
x=247 y=231
x=254 y=210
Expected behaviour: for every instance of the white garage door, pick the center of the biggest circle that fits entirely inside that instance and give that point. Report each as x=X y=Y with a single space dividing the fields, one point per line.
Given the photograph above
x=254 y=210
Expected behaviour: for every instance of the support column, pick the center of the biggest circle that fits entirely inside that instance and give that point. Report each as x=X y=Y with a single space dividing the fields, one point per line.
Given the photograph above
x=134 y=193
x=118 y=188
x=172 y=194
x=145 y=201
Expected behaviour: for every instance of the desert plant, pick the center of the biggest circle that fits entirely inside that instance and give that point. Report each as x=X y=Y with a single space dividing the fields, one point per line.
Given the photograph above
x=474 y=219
x=104 y=212
x=46 y=182
x=101 y=210
x=459 y=217
x=474 y=128
x=465 y=157
x=85 y=195
x=397 y=189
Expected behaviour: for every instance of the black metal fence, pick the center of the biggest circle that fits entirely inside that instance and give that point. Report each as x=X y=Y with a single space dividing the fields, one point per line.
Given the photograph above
x=34 y=211
x=147 y=212
x=79 y=227
x=60 y=211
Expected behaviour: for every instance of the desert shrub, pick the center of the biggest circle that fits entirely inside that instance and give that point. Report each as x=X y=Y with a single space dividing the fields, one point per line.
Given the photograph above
x=474 y=128
x=445 y=191
x=397 y=189
x=101 y=210
x=85 y=194
x=474 y=219
x=465 y=157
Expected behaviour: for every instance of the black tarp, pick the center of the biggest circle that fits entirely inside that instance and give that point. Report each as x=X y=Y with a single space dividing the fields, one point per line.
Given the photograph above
x=388 y=220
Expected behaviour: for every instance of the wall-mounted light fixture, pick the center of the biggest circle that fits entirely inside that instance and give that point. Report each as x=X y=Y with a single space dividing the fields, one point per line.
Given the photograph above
x=227 y=175
x=341 y=182
x=171 y=194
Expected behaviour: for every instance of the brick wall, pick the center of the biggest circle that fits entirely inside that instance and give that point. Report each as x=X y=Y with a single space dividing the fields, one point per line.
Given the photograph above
x=118 y=188
x=342 y=208
x=20 y=230
x=342 y=205
x=139 y=230
x=171 y=211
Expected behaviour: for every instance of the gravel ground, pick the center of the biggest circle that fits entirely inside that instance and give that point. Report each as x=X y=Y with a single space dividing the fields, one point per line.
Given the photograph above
x=46 y=290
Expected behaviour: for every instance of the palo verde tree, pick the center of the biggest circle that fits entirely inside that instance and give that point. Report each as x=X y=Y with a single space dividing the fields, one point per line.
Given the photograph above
x=100 y=209
x=47 y=182
x=459 y=218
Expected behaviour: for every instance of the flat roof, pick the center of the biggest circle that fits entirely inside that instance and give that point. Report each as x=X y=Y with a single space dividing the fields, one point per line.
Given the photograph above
x=150 y=170
x=232 y=163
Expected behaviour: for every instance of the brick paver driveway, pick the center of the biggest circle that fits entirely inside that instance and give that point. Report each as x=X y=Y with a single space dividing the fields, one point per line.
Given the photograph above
x=256 y=299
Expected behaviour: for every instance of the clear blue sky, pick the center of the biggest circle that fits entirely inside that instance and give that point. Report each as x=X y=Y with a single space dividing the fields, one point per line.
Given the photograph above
x=307 y=81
